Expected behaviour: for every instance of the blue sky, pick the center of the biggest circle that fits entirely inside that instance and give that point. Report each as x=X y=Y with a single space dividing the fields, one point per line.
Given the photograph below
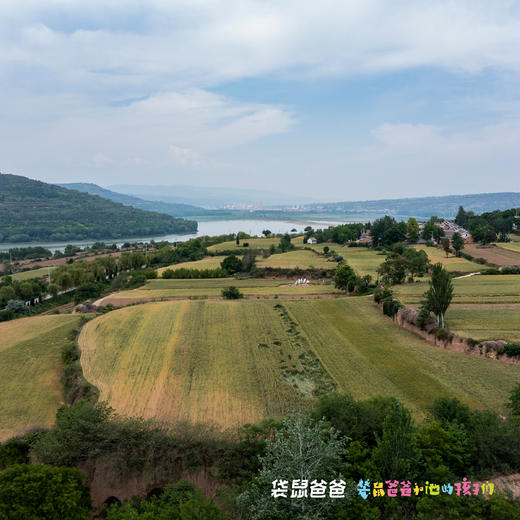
x=332 y=100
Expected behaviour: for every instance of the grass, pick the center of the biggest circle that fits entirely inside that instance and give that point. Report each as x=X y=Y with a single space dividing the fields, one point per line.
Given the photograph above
x=368 y=355
x=297 y=258
x=30 y=371
x=213 y=287
x=255 y=243
x=220 y=362
x=452 y=263
x=510 y=246
x=43 y=272
x=485 y=322
x=474 y=289
x=209 y=262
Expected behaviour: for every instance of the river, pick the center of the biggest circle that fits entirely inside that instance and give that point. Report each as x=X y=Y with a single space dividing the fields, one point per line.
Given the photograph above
x=211 y=228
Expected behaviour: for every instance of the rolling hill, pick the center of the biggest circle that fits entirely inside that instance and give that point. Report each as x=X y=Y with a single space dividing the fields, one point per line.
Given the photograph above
x=32 y=211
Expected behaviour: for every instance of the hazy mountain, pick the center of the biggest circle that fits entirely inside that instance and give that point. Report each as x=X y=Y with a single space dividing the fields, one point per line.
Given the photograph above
x=444 y=206
x=209 y=197
x=31 y=211
x=175 y=209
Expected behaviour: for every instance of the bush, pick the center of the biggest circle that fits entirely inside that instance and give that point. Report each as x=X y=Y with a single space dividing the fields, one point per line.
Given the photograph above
x=390 y=307
x=382 y=293
x=232 y=293
x=443 y=334
x=6 y=315
x=86 y=291
x=511 y=349
x=480 y=260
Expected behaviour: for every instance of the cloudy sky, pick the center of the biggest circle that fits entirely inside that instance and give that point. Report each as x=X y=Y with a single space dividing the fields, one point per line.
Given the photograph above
x=337 y=100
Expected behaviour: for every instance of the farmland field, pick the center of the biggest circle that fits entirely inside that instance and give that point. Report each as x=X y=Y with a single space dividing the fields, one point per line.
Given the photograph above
x=213 y=287
x=209 y=262
x=367 y=354
x=510 y=246
x=474 y=289
x=231 y=362
x=30 y=371
x=33 y=273
x=452 y=263
x=254 y=243
x=484 y=322
x=298 y=258
x=218 y=362
x=494 y=255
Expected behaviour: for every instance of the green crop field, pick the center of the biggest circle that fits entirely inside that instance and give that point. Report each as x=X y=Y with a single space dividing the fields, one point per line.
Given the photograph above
x=452 y=263
x=34 y=273
x=211 y=361
x=209 y=262
x=298 y=258
x=485 y=322
x=254 y=243
x=367 y=354
x=213 y=287
x=232 y=362
x=30 y=371
x=474 y=289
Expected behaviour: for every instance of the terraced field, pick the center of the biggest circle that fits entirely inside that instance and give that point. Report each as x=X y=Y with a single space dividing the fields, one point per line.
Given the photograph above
x=209 y=262
x=30 y=371
x=297 y=258
x=367 y=354
x=474 y=289
x=452 y=263
x=218 y=362
x=485 y=322
x=232 y=362
x=254 y=243
x=199 y=288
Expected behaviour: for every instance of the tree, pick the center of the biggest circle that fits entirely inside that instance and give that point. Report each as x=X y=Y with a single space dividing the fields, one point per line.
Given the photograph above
x=440 y=293
x=457 y=242
x=53 y=290
x=30 y=492
x=461 y=218
x=232 y=264
x=301 y=449
x=445 y=243
x=514 y=401
x=232 y=293
x=412 y=230
x=266 y=232
x=285 y=243
x=396 y=453
x=344 y=277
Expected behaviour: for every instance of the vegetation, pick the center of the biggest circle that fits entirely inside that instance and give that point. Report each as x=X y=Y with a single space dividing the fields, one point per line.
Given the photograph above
x=296 y=259
x=232 y=293
x=31 y=371
x=487 y=227
x=35 y=211
x=440 y=293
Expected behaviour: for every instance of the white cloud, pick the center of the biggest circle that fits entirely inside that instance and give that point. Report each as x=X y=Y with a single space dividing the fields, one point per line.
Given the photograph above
x=184 y=155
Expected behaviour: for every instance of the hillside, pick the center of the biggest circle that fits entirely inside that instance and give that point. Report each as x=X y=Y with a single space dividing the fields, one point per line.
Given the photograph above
x=446 y=206
x=32 y=211
x=174 y=209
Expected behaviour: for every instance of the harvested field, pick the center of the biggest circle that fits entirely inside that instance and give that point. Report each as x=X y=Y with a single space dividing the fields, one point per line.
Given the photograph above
x=213 y=361
x=156 y=289
x=30 y=371
x=32 y=274
x=299 y=258
x=452 y=263
x=494 y=255
x=254 y=243
x=209 y=262
x=510 y=246
x=474 y=289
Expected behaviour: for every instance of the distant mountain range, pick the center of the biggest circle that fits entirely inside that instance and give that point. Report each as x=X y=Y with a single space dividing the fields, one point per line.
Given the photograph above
x=443 y=206
x=170 y=208
x=209 y=197
x=32 y=211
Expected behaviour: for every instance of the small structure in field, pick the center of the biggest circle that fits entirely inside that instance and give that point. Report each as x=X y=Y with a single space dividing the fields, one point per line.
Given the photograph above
x=312 y=240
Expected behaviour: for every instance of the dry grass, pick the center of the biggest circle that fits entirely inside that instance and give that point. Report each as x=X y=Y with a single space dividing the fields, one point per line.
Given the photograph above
x=209 y=262
x=510 y=246
x=254 y=243
x=452 y=263
x=43 y=272
x=298 y=258
x=30 y=371
x=495 y=255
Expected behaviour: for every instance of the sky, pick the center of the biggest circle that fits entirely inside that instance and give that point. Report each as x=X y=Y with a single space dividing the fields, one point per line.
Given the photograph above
x=332 y=100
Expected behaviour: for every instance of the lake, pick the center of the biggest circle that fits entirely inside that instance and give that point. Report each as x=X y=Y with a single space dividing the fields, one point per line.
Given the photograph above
x=211 y=228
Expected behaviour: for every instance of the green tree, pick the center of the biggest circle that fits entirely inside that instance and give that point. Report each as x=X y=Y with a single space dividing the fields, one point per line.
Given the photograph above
x=440 y=293
x=396 y=453
x=285 y=243
x=457 y=242
x=301 y=449
x=232 y=293
x=412 y=230
x=232 y=264
x=514 y=401
x=53 y=290
x=445 y=243
x=461 y=218
x=344 y=277
x=34 y=492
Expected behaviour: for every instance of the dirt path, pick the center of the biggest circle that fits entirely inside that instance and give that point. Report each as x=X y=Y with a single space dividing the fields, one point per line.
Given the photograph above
x=62 y=309
x=465 y=276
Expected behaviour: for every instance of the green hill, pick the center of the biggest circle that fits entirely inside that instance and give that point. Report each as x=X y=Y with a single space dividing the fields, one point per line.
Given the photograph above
x=33 y=211
x=170 y=208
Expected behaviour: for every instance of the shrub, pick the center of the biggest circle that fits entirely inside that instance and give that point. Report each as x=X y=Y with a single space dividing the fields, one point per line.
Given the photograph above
x=443 y=334
x=511 y=349
x=391 y=306
x=480 y=260
x=382 y=293
x=232 y=293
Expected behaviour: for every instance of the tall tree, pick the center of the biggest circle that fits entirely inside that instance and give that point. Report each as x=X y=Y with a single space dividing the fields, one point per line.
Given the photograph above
x=445 y=242
x=440 y=293
x=457 y=242
x=412 y=230
x=344 y=277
